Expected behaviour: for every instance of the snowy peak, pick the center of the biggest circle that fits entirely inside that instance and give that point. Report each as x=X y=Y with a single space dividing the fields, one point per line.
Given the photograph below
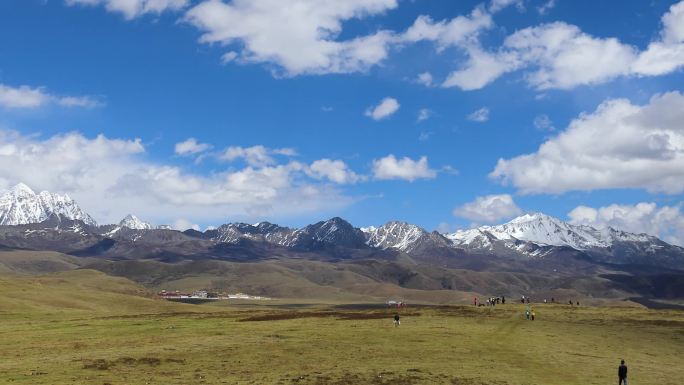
x=401 y=235
x=544 y=230
x=336 y=231
x=22 y=190
x=21 y=205
x=134 y=223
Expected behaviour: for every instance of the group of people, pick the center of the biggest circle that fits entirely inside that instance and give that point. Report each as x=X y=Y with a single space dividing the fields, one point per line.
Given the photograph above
x=491 y=301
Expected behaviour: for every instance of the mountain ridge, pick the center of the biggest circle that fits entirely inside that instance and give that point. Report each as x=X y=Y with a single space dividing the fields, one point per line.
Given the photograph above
x=533 y=235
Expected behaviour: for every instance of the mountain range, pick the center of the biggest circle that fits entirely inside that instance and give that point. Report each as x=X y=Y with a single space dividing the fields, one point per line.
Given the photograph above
x=532 y=244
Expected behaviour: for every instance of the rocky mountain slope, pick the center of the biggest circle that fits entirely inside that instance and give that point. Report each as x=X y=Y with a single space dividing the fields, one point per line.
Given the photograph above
x=48 y=221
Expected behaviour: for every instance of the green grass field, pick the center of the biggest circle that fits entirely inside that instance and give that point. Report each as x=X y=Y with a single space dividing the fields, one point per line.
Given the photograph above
x=83 y=327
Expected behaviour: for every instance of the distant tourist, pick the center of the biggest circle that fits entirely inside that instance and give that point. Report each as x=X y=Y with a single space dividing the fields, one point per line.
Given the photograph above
x=475 y=302
x=532 y=315
x=553 y=300
x=396 y=320
x=527 y=314
x=622 y=373
x=503 y=300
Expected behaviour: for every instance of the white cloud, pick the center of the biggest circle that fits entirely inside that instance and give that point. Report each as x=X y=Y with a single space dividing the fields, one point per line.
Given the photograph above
x=488 y=209
x=131 y=9
x=543 y=122
x=546 y=7
x=184 y=224
x=424 y=114
x=665 y=222
x=384 y=109
x=480 y=116
x=565 y=57
x=405 y=168
x=334 y=170
x=300 y=37
x=229 y=57
x=29 y=97
x=561 y=56
x=425 y=79
x=448 y=33
x=497 y=5
x=480 y=69
x=256 y=155
x=620 y=145
x=115 y=171
x=191 y=146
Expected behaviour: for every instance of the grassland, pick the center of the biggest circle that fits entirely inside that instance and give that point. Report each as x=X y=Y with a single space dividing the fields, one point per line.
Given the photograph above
x=83 y=327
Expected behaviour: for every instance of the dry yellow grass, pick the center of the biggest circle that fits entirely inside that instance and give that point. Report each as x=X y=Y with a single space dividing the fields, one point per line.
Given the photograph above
x=112 y=335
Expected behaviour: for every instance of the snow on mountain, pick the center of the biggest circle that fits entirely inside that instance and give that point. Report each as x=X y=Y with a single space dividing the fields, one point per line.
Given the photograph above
x=403 y=236
x=20 y=206
x=262 y=231
x=543 y=230
x=336 y=231
x=395 y=234
x=134 y=223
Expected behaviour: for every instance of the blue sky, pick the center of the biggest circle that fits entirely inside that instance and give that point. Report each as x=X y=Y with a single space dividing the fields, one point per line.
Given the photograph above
x=280 y=98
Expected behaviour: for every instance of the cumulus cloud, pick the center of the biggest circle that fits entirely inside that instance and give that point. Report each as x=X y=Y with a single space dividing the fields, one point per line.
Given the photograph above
x=546 y=7
x=425 y=79
x=620 y=145
x=665 y=222
x=191 y=146
x=405 y=168
x=387 y=107
x=480 y=69
x=116 y=171
x=334 y=170
x=448 y=33
x=561 y=56
x=256 y=155
x=265 y=29
x=497 y=5
x=488 y=209
x=481 y=115
x=30 y=97
x=184 y=224
x=131 y=9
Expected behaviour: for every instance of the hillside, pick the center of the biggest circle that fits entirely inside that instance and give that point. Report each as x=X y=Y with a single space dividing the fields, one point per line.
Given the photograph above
x=75 y=292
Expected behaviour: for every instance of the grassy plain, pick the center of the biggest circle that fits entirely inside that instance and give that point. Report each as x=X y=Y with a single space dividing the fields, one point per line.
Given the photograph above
x=83 y=327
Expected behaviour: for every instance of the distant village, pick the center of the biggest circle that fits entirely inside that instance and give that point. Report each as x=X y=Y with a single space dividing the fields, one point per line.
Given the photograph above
x=204 y=295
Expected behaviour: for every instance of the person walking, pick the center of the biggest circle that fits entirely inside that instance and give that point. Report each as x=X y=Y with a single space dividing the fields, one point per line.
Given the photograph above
x=622 y=373
x=396 y=320
x=533 y=314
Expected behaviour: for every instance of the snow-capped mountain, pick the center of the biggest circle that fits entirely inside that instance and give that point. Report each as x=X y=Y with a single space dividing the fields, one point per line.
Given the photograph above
x=335 y=231
x=401 y=235
x=134 y=223
x=543 y=230
x=260 y=232
x=20 y=206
